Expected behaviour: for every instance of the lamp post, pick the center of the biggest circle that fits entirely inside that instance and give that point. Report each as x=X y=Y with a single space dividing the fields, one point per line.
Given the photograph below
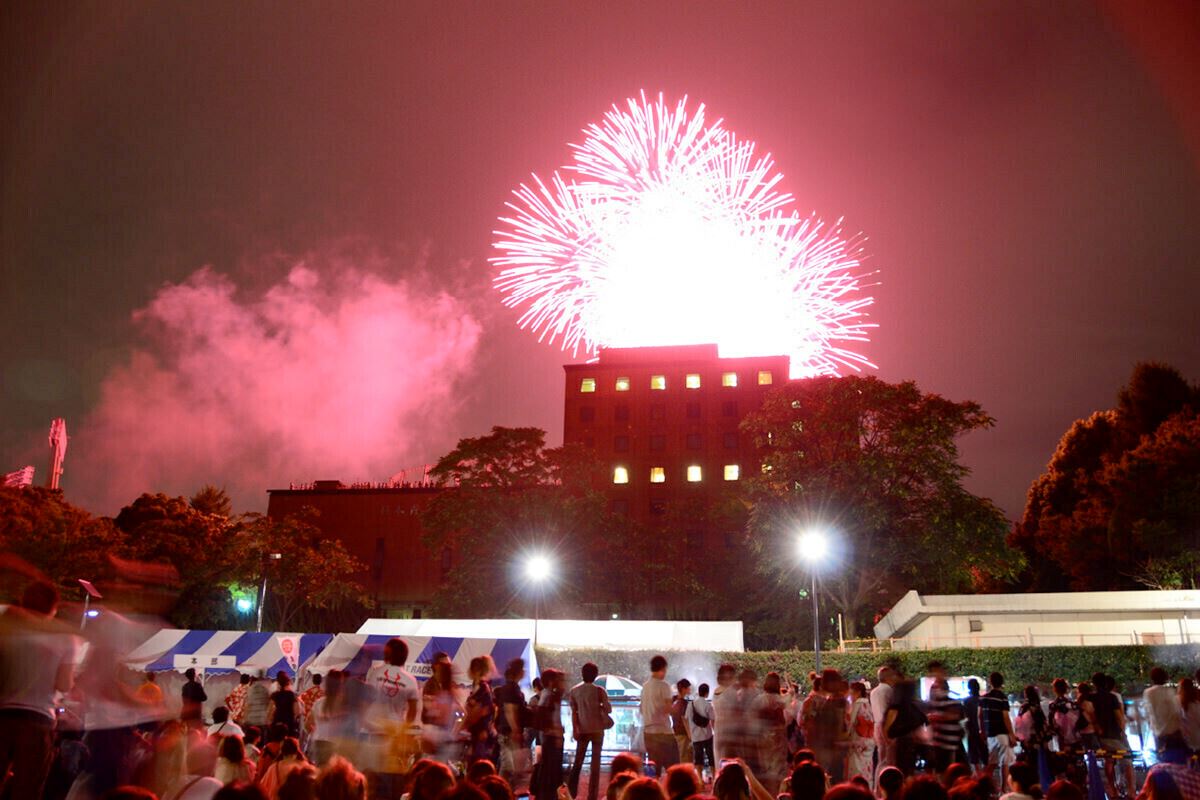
x=89 y=591
x=537 y=572
x=262 y=594
x=812 y=545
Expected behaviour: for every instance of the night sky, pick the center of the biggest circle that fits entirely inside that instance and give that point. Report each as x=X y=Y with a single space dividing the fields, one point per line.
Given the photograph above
x=1024 y=172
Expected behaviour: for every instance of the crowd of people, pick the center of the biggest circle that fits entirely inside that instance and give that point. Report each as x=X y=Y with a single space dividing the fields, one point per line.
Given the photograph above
x=483 y=736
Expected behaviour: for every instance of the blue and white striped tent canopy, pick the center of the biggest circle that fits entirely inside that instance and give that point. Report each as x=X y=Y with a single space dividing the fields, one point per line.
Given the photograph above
x=254 y=652
x=356 y=652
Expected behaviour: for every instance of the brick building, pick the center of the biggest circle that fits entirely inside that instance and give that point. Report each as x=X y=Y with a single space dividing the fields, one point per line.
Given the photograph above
x=664 y=422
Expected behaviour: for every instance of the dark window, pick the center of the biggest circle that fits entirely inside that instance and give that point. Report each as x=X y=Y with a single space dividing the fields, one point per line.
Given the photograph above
x=658 y=442
x=693 y=411
x=729 y=408
x=621 y=413
x=620 y=506
x=731 y=441
x=621 y=444
x=658 y=506
x=587 y=413
x=658 y=411
x=693 y=441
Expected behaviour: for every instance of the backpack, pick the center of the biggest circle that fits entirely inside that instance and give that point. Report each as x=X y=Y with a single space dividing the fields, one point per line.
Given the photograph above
x=698 y=719
x=1065 y=719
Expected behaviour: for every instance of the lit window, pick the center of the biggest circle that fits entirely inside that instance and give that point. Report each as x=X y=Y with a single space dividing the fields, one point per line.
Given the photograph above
x=694 y=473
x=692 y=381
x=658 y=475
x=731 y=472
x=729 y=379
x=766 y=469
x=765 y=378
x=587 y=385
x=658 y=381
x=620 y=475
x=622 y=384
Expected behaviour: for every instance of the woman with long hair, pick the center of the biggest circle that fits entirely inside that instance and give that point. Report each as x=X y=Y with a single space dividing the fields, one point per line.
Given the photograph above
x=290 y=757
x=232 y=764
x=1033 y=731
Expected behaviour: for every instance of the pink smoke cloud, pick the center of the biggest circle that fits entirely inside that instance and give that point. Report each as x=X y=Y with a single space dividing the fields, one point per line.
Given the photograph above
x=333 y=372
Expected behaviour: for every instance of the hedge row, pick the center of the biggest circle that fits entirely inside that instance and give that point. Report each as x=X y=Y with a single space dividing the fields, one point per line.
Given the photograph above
x=1129 y=664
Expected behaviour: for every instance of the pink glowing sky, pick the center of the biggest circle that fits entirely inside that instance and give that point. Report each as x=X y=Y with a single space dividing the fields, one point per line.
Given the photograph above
x=247 y=246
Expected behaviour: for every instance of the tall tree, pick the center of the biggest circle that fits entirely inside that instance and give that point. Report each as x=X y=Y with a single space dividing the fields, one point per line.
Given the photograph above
x=1119 y=503
x=168 y=530
x=211 y=500
x=876 y=464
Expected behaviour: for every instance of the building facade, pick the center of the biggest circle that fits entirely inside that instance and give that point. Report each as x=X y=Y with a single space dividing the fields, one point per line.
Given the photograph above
x=664 y=422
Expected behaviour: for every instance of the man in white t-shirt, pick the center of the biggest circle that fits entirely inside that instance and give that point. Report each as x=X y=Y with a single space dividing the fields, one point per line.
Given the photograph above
x=37 y=659
x=881 y=701
x=656 y=717
x=223 y=726
x=396 y=707
x=1162 y=706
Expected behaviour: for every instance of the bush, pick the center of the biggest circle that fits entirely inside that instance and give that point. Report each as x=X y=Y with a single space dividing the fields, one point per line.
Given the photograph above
x=1129 y=664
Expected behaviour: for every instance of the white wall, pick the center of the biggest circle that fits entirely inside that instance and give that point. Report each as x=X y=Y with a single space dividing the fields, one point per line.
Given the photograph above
x=1031 y=629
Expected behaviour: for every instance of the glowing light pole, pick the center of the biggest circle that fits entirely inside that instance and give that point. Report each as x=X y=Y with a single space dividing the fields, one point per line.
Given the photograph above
x=262 y=595
x=812 y=546
x=537 y=570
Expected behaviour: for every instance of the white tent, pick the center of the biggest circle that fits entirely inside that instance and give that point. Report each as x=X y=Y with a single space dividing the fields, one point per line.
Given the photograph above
x=355 y=653
x=563 y=634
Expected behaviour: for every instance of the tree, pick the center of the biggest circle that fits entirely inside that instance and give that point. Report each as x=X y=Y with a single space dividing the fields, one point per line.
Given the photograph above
x=311 y=583
x=213 y=501
x=510 y=497
x=169 y=530
x=60 y=540
x=877 y=465
x=1119 y=503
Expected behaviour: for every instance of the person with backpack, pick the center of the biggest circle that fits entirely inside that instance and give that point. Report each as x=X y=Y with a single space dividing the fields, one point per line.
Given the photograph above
x=591 y=716
x=679 y=704
x=1064 y=716
x=700 y=716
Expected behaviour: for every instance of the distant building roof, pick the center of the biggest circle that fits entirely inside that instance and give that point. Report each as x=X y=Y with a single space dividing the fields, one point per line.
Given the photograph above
x=914 y=608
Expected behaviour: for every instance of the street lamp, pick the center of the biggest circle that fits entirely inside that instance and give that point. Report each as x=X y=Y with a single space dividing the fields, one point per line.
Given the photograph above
x=537 y=571
x=262 y=594
x=89 y=591
x=812 y=546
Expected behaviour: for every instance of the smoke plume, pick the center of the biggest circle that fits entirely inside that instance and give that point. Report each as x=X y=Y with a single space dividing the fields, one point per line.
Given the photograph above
x=333 y=372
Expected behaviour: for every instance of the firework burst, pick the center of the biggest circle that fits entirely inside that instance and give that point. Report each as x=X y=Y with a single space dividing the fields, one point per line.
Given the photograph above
x=668 y=230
